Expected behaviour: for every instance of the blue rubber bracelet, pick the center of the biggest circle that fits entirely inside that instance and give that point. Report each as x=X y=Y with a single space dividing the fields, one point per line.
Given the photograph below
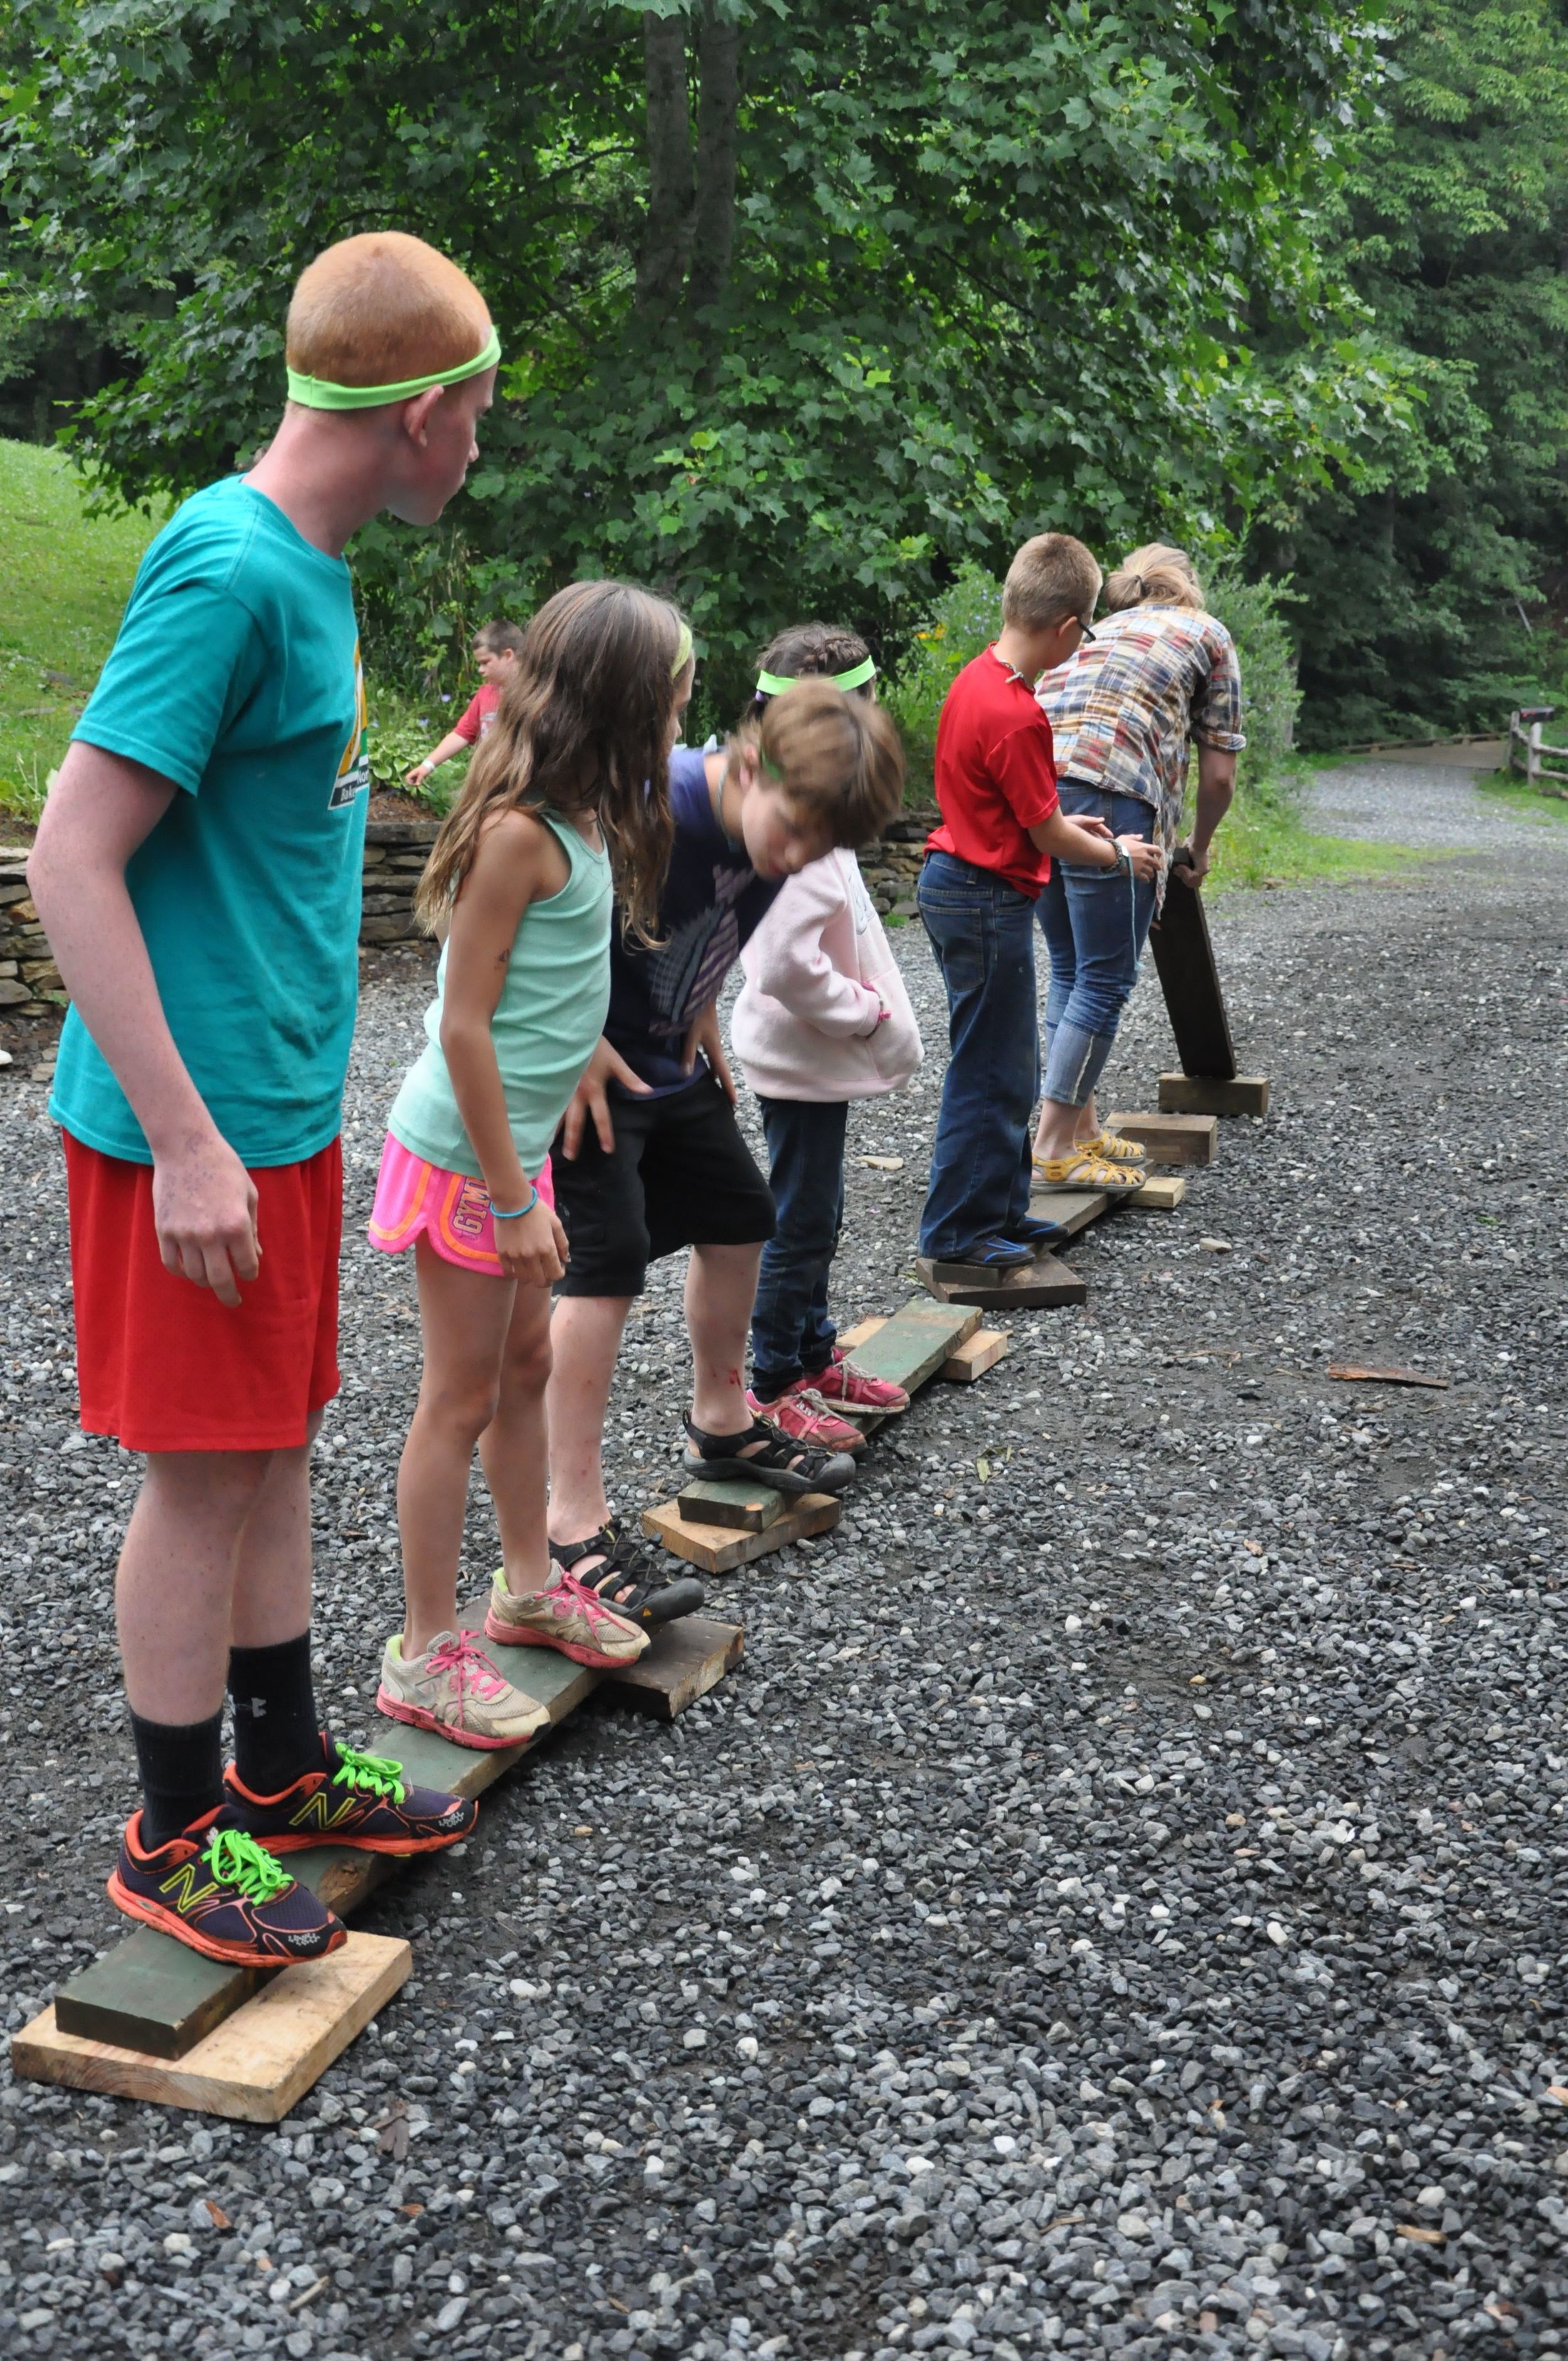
x=497 y=1214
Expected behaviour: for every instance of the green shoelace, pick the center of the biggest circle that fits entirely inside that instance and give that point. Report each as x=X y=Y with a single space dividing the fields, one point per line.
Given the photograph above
x=237 y=1860
x=370 y=1774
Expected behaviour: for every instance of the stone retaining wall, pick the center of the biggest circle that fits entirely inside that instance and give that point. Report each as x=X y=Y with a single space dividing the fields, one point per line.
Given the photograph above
x=29 y=980
x=395 y=854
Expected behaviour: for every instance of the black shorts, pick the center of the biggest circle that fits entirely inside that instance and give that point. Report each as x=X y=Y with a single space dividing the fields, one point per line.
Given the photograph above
x=679 y=1175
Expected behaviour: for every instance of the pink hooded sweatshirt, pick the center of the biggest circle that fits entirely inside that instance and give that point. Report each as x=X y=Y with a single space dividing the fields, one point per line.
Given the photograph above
x=820 y=972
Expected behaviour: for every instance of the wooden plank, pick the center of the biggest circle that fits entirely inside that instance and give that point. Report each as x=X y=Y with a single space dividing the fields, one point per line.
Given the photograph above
x=154 y=1994
x=1184 y=961
x=1036 y=1286
x=912 y=1344
x=1072 y=1210
x=975 y=1356
x=1352 y=1373
x=1207 y=1094
x=1170 y=1138
x=863 y=1329
x=747 y=1506
x=1161 y=1193
x=259 y=2062
x=720 y=1549
x=686 y=1660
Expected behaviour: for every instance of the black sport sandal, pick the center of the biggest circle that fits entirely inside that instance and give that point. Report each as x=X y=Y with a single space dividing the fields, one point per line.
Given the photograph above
x=631 y=1580
x=760 y=1453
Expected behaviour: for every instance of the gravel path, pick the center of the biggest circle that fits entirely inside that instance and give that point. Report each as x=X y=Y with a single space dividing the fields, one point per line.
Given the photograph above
x=1117 y=1908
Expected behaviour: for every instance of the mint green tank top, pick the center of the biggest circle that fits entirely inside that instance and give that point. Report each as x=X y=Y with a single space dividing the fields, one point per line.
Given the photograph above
x=547 y=1022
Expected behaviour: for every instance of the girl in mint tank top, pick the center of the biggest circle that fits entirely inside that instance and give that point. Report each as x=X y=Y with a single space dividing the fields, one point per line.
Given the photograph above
x=565 y=811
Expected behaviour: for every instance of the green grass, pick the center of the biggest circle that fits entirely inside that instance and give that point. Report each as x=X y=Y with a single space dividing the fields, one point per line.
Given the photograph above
x=62 y=587
x=1264 y=841
x=1508 y=787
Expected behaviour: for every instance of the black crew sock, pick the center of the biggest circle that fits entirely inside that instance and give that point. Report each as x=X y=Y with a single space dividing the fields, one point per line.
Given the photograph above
x=769 y=1388
x=180 y=1765
x=277 y=1738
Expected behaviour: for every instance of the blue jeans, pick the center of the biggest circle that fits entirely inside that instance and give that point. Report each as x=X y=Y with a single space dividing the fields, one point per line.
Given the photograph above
x=1095 y=922
x=790 y=1333
x=983 y=933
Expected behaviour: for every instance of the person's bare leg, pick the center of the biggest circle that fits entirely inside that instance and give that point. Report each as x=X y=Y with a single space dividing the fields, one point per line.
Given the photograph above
x=272 y=1561
x=1061 y=1128
x=513 y=1448
x=722 y=1283
x=464 y=1316
x=584 y=1335
x=174 y=1588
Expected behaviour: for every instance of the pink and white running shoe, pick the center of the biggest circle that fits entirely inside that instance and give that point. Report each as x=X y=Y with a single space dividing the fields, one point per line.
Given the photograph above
x=456 y=1690
x=567 y=1615
x=805 y=1417
x=851 y=1388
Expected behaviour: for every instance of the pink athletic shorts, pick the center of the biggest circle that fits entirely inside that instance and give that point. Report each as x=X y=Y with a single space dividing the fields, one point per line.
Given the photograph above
x=453 y=1210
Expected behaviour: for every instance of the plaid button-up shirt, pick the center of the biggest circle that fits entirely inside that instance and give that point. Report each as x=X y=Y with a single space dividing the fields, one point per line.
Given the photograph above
x=1125 y=709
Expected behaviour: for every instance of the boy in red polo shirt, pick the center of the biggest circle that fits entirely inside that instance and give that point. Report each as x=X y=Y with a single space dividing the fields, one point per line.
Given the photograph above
x=985 y=866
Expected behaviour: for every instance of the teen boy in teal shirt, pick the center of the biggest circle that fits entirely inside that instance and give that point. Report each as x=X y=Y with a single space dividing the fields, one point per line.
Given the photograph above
x=197 y=870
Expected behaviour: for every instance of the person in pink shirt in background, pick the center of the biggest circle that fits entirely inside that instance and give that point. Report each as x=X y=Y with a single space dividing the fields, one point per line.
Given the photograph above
x=823 y=1018
x=496 y=650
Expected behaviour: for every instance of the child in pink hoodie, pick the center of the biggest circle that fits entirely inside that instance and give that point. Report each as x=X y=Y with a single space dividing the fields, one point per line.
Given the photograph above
x=823 y=1018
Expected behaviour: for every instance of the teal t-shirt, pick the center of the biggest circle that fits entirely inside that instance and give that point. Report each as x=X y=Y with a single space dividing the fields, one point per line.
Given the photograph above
x=237 y=675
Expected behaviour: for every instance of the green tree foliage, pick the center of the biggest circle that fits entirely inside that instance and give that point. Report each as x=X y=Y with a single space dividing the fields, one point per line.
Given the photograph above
x=1423 y=594
x=803 y=304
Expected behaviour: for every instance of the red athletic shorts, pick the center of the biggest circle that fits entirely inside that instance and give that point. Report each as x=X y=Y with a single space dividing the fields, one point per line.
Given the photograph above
x=160 y=1362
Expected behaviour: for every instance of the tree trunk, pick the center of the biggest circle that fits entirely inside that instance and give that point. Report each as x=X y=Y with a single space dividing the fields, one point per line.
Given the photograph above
x=713 y=221
x=667 y=235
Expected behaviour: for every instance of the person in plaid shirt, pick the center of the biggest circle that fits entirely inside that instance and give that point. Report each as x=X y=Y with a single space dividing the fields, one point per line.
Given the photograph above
x=1158 y=673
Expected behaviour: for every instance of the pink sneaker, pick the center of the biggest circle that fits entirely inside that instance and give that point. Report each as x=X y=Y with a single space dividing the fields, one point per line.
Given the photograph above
x=805 y=1417
x=841 y=1382
x=567 y=1615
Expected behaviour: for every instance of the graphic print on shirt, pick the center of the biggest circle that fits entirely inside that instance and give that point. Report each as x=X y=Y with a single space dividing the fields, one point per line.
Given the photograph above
x=354 y=771
x=686 y=972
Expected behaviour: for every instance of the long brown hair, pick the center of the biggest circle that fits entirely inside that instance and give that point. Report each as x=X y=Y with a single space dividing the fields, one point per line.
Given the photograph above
x=583 y=726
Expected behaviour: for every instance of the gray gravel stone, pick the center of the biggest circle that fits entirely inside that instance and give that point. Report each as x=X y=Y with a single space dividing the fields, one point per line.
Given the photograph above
x=1120 y=1897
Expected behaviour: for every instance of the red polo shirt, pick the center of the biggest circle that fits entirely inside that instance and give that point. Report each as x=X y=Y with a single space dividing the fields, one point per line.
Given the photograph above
x=996 y=773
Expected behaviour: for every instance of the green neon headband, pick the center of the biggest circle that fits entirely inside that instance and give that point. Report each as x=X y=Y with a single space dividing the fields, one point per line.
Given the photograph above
x=683 y=652
x=319 y=393
x=774 y=684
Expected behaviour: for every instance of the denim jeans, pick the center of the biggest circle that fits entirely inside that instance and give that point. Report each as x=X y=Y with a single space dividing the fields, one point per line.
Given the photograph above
x=983 y=933
x=1095 y=922
x=790 y=1333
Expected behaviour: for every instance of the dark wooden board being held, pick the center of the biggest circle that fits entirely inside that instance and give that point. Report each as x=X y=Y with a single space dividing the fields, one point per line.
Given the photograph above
x=1184 y=960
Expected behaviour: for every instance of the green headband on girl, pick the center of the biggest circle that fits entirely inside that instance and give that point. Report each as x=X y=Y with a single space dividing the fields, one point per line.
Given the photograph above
x=319 y=393
x=775 y=684
x=683 y=652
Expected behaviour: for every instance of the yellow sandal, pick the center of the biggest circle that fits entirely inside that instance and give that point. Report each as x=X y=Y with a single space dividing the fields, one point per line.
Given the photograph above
x=1082 y=1171
x=1114 y=1148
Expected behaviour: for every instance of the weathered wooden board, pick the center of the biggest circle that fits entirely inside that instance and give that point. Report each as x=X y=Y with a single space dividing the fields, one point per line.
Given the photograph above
x=748 y=1507
x=1038 y=1286
x=1161 y=1193
x=1170 y=1138
x=259 y=2062
x=975 y=1356
x=720 y=1549
x=1205 y=1095
x=686 y=1660
x=1184 y=961
x=1071 y=1209
x=912 y=1344
x=155 y=1996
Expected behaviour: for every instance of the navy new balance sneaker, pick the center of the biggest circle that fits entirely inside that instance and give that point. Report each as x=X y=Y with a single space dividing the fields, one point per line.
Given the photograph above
x=214 y=1888
x=352 y=1799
